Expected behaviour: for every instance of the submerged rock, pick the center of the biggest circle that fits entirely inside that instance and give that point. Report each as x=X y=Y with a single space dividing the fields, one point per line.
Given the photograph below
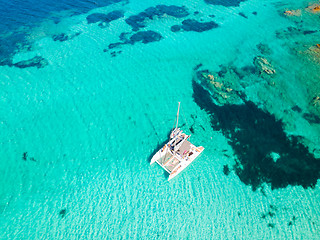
x=312 y=53
x=263 y=66
x=314 y=8
x=290 y=13
x=222 y=85
x=316 y=101
x=315 y=108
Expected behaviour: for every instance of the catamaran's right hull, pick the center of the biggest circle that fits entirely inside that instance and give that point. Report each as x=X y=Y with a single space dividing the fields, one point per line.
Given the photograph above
x=185 y=164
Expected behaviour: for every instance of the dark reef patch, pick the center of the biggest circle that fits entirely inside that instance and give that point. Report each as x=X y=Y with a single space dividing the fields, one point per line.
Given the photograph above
x=175 y=28
x=114 y=45
x=115 y=53
x=225 y=3
x=63 y=212
x=36 y=61
x=145 y=37
x=60 y=37
x=264 y=49
x=64 y=37
x=142 y=36
x=140 y=20
x=194 y=25
x=198 y=66
x=265 y=154
x=96 y=17
x=243 y=15
x=193 y=125
x=309 y=32
x=296 y=108
x=226 y=170
x=273 y=207
x=289 y=32
x=271 y=225
x=25 y=156
x=292 y=221
x=104 y=19
x=311 y=118
x=268 y=214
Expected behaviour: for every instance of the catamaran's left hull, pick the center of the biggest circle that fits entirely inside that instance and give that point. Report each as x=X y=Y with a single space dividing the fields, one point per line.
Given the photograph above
x=156 y=157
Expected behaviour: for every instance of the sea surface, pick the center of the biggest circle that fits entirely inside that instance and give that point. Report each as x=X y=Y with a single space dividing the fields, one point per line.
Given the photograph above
x=89 y=92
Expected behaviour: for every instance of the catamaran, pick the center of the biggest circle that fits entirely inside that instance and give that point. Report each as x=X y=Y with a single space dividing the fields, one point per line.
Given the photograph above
x=178 y=153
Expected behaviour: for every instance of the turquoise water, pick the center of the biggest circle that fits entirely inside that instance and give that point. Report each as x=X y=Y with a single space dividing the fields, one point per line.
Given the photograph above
x=77 y=134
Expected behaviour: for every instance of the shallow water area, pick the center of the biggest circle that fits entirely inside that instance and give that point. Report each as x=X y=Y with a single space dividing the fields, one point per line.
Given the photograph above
x=80 y=127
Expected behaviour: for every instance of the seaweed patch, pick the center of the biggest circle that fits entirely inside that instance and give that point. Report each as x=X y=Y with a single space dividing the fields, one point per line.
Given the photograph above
x=142 y=36
x=195 y=26
x=265 y=154
x=311 y=118
x=226 y=170
x=36 y=61
x=140 y=20
x=115 y=53
x=25 y=156
x=63 y=212
x=104 y=19
x=225 y=3
x=271 y=225
x=64 y=37
x=243 y=15
x=264 y=49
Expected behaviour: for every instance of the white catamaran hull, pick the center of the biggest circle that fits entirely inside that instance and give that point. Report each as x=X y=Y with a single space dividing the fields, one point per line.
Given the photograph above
x=178 y=153
x=157 y=156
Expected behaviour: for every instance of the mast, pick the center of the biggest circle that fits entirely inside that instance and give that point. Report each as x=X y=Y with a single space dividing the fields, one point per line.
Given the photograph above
x=178 y=115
